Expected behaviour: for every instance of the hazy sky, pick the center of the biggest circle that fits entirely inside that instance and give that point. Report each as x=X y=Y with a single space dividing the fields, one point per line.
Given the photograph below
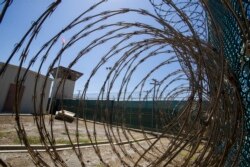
x=21 y=14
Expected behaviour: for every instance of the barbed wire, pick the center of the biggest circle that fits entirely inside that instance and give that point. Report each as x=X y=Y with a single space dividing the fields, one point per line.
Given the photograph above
x=208 y=122
x=6 y=4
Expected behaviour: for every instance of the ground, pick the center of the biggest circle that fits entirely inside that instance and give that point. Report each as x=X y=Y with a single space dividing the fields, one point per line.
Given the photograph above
x=112 y=154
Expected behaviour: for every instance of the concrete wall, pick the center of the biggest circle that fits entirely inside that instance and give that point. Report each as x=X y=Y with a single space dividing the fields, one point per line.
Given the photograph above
x=68 y=90
x=27 y=101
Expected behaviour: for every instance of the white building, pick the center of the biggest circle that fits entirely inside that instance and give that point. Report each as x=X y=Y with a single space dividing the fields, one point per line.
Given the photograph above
x=67 y=77
x=27 y=94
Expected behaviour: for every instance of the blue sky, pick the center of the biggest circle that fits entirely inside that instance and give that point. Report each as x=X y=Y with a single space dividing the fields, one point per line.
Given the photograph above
x=21 y=14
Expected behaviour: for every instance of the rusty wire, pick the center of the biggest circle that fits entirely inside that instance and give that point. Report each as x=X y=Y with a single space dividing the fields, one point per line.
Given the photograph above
x=207 y=126
x=5 y=4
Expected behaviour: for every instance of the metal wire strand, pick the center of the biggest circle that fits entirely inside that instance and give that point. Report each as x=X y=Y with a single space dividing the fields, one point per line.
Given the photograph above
x=198 y=112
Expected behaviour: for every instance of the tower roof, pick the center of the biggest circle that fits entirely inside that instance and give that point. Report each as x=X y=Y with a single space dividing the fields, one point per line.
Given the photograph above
x=66 y=72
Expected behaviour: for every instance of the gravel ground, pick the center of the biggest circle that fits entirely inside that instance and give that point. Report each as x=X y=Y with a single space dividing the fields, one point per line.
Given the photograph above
x=90 y=157
x=113 y=156
x=8 y=135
